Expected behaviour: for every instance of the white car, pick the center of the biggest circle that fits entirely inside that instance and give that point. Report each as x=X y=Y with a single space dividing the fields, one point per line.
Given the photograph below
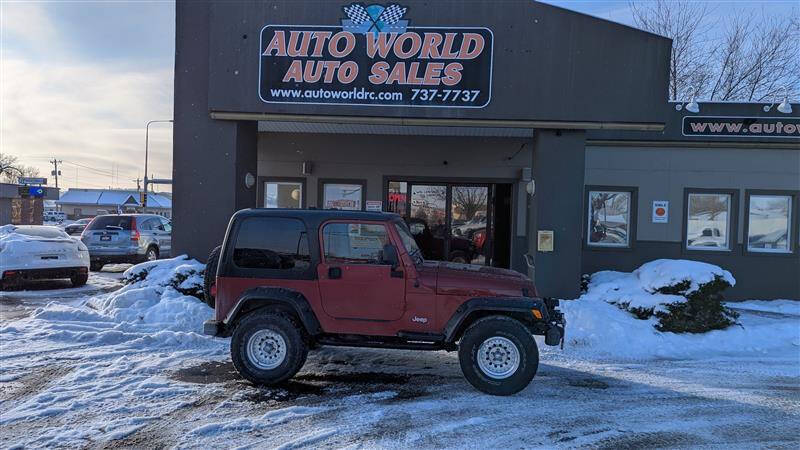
x=29 y=252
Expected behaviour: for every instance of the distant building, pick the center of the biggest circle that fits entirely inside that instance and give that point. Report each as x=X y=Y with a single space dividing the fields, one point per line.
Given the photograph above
x=19 y=207
x=79 y=203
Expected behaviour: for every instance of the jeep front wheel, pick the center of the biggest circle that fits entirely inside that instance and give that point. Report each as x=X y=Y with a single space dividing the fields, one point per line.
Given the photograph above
x=268 y=348
x=498 y=355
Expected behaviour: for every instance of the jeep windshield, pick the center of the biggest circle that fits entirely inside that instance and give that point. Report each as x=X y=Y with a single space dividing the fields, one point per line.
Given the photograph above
x=408 y=242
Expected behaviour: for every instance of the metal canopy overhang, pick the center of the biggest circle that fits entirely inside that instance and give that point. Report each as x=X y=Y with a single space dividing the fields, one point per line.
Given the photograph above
x=481 y=127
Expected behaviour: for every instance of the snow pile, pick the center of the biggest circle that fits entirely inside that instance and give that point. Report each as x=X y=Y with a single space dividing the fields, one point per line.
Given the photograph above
x=111 y=353
x=661 y=274
x=155 y=294
x=655 y=284
x=600 y=323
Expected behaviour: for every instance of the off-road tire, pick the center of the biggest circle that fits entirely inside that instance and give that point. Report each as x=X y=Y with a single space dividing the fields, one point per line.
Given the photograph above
x=504 y=327
x=95 y=266
x=79 y=280
x=287 y=328
x=210 y=275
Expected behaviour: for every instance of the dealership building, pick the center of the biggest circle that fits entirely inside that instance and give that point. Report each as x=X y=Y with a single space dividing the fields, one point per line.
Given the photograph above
x=507 y=133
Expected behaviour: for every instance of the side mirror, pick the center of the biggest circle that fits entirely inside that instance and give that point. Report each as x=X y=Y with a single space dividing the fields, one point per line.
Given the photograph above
x=390 y=256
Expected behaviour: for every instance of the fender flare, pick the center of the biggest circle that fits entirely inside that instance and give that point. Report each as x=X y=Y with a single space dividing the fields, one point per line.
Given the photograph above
x=282 y=297
x=517 y=305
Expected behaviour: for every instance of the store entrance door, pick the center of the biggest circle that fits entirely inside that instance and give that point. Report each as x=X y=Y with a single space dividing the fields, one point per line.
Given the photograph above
x=459 y=222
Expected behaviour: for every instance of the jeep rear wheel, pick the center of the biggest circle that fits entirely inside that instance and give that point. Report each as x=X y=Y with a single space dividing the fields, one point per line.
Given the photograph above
x=268 y=348
x=498 y=355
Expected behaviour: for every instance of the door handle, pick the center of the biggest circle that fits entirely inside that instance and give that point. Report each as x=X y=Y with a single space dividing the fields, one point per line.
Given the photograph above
x=334 y=273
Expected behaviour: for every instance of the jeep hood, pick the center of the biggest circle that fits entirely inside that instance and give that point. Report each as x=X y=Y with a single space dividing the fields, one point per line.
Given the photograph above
x=478 y=281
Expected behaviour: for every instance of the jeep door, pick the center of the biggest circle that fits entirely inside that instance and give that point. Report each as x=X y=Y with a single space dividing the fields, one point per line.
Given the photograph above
x=354 y=282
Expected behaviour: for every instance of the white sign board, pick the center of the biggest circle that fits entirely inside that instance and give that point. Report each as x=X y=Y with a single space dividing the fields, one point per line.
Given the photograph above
x=660 y=211
x=374 y=205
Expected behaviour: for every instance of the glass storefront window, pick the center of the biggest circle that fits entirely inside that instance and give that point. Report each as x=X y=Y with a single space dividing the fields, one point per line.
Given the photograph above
x=609 y=219
x=708 y=221
x=283 y=194
x=769 y=224
x=398 y=197
x=342 y=196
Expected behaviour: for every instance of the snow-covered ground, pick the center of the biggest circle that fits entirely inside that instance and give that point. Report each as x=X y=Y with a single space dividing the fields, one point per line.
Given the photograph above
x=128 y=368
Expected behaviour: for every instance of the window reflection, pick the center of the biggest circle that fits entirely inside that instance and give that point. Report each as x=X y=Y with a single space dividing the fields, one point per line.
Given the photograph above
x=708 y=221
x=769 y=223
x=609 y=218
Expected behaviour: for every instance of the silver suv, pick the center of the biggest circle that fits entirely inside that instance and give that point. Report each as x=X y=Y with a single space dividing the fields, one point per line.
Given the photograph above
x=127 y=238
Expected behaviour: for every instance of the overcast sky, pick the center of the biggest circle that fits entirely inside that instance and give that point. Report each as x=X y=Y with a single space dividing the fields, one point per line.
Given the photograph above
x=79 y=80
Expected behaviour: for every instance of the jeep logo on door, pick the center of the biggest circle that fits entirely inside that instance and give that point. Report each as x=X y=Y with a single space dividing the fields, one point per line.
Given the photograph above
x=374 y=58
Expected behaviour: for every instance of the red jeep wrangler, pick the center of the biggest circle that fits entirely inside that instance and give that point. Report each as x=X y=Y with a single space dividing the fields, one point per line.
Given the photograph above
x=291 y=280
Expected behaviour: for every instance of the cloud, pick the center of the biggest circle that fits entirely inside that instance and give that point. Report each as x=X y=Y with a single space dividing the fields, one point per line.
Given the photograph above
x=86 y=110
x=86 y=114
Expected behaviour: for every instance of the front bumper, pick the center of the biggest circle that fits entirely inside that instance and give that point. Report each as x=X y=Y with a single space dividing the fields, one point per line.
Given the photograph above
x=556 y=323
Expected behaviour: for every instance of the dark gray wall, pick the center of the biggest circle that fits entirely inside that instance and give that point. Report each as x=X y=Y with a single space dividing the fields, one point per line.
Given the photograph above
x=558 y=170
x=549 y=63
x=663 y=173
x=210 y=157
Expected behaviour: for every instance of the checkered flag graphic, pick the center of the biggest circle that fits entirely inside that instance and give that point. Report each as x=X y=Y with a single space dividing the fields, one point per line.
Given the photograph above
x=392 y=14
x=356 y=13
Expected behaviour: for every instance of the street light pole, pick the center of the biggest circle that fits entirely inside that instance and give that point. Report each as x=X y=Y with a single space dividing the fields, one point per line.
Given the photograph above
x=146 y=151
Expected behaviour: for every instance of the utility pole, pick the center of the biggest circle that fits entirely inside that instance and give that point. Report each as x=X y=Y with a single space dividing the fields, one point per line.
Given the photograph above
x=55 y=162
x=138 y=186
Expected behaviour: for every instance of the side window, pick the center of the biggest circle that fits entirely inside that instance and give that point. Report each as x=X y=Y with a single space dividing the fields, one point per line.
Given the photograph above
x=354 y=243
x=146 y=225
x=272 y=243
x=166 y=225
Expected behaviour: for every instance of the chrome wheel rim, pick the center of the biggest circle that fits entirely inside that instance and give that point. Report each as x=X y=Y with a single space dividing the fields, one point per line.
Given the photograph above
x=151 y=255
x=266 y=349
x=498 y=358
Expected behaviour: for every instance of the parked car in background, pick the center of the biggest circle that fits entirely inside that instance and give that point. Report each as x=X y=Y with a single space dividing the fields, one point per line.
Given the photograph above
x=77 y=227
x=432 y=244
x=29 y=252
x=127 y=238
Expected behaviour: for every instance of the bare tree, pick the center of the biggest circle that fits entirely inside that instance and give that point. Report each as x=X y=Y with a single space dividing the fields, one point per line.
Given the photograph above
x=469 y=200
x=685 y=23
x=752 y=58
x=10 y=168
x=759 y=59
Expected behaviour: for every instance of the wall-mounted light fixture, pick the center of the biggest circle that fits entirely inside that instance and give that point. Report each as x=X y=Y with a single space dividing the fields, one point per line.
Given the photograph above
x=784 y=107
x=692 y=106
x=249 y=180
